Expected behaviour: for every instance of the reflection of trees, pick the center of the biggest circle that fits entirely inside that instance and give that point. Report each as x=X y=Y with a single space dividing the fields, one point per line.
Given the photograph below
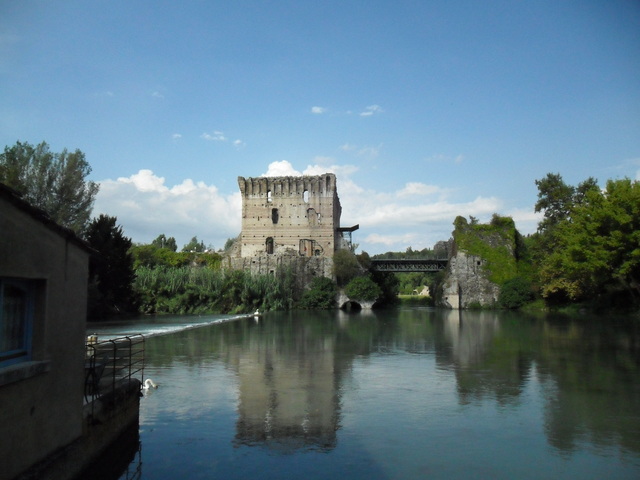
x=591 y=373
x=588 y=370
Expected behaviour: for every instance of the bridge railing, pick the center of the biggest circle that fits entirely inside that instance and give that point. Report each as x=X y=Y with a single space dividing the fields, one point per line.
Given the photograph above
x=409 y=265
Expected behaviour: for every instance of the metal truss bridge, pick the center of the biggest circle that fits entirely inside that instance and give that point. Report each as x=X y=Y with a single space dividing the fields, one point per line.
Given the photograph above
x=404 y=265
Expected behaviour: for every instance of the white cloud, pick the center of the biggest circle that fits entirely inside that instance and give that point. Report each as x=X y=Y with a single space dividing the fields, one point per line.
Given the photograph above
x=526 y=220
x=362 y=151
x=282 y=168
x=176 y=136
x=417 y=188
x=371 y=110
x=238 y=144
x=441 y=158
x=318 y=110
x=370 y=152
x=390 y=240
x=217 y=136
x=347 y=147
x=157 y=94
x=146 y=207
x=106 y=93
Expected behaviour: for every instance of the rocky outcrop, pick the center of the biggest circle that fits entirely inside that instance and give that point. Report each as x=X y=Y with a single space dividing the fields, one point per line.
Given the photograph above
x=483 y=257
x=466 y=283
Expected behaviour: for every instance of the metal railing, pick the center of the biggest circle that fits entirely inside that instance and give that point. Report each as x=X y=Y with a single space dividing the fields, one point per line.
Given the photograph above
x=409 y=265
x=112 y=364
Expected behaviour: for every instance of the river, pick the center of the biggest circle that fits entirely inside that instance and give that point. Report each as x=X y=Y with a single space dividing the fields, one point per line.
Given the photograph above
x=408 y=393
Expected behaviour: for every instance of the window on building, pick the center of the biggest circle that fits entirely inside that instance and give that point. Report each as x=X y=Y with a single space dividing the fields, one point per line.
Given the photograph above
x=269 y=245
x=305 y=196
x=16 y=319
x=269 y=198
x=274 y=215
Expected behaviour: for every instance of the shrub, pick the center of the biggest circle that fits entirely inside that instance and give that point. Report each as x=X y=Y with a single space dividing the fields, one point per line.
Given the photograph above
x=363 y=288
x=345 y=266
x=515 y=293
x=322 y=295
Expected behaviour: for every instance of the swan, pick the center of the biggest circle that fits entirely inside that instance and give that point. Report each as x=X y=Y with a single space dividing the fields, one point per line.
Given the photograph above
x=256 y=313
x=148 y=383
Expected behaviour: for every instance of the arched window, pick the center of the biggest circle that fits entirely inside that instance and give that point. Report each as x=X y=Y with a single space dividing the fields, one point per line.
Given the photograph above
x=269 y=245
x=274 y=215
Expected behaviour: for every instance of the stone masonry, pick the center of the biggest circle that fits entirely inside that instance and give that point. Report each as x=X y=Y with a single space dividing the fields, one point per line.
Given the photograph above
x=287 y=221
x=466 y=283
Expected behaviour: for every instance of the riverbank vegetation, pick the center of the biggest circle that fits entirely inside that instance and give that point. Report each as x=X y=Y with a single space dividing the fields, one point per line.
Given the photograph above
x=201 y=289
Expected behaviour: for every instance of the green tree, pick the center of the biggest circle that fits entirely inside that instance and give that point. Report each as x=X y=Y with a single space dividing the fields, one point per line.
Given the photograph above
x=54 y=182
x=557 y=199
x=228 y=244
x=163 y=242
x=321 y=295
x=345 y=266
x=194 y=246
x=598 y=246
x=515 y=293
x=112 y=274
x=363 y=288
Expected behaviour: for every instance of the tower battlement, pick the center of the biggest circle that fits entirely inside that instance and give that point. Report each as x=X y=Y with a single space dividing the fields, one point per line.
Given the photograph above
x=297 y=216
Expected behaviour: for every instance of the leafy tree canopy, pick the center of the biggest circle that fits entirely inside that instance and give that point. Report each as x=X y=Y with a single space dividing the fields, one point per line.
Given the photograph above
x=598 y=246
x=194 y=246
x=321 y=295
x=112 y=273
x=557 y=199
x=163 y=242
x=363 y=288
x=54 y=182
x=345 y=266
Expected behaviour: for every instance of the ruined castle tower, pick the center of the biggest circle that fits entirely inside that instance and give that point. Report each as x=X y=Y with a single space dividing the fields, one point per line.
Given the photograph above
x=286 y=220
x=290 y=216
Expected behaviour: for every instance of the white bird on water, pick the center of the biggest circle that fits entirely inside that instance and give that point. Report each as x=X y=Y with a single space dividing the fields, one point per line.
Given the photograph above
x=148 y=383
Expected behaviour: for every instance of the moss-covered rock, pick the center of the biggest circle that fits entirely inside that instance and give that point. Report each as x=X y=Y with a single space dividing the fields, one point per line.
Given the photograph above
x=484 y=257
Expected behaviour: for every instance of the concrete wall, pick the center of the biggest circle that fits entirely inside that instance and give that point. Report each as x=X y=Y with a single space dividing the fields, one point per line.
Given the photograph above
x=41 y=400
x=300 y=214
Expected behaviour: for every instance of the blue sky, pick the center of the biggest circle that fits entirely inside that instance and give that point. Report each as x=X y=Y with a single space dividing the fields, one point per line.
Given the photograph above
x=425 y=110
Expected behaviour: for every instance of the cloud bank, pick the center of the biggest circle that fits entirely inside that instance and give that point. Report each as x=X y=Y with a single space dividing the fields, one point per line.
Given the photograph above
x=416 y=215
x=146 y=207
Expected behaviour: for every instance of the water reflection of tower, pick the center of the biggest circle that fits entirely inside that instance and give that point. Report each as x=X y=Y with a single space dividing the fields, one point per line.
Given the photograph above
x=287 y=389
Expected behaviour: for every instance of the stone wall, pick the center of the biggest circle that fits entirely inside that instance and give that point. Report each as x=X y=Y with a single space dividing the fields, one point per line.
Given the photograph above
x=304 y=268
x=41 y=396
x=466 y=283
x=290 y=216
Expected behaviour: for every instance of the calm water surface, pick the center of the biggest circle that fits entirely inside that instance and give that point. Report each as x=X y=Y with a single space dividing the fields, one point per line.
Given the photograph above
x=401 y=394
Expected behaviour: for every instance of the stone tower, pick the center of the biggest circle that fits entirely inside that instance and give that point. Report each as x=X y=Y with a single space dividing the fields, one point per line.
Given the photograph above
x=297 y=216
x=290 y=222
